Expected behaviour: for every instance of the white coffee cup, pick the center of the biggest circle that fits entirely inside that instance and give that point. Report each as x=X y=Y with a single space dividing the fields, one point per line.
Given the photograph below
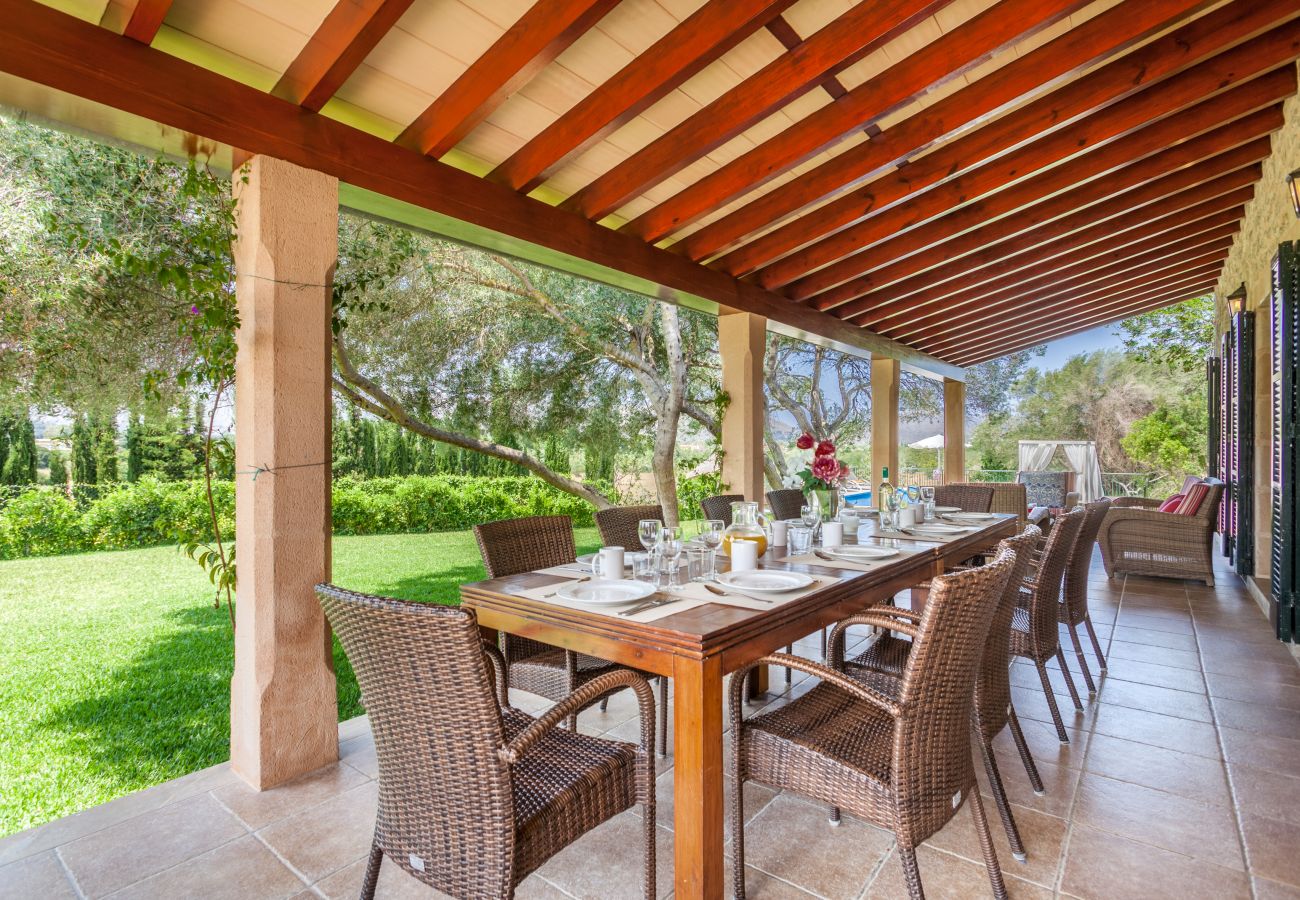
x=609 y=564
x=832 y=534
x=779 y=527
x=744 y=556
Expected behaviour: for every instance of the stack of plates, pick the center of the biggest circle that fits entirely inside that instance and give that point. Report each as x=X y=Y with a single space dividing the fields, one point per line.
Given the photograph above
x=860 y=552
x=937 y=528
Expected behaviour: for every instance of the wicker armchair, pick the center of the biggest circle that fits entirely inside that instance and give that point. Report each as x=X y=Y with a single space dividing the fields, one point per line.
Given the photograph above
x=901 y=762
x=1008 y=497
x=1137 y=539
x=1034 y=631
x=719 y=506
x=475 y=795
x=970 y=497
x=1074 y=600
x=994 y=711
x=619 y=524
x=1055 y=490
x=512 y=546
x=786 y=503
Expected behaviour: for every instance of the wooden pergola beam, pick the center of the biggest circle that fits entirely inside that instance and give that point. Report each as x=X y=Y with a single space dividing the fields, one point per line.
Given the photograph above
x=697 y=41
x=542 y=33
x=1119 y=96
x=1001 y=262
x=1071 y=273
x=51 y=48
x=944 y=211
x=940 y=61
x=868 y=25
x=1089 y=303
x=346 y=36
x=1182 y=166
x=146 y=18
x=1175 y=296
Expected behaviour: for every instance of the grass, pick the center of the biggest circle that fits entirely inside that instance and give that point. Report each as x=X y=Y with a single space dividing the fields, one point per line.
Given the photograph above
x=116 y=672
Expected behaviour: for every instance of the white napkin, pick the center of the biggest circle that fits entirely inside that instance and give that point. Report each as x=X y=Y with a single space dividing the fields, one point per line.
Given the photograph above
x=928 y=537
x=810 y=559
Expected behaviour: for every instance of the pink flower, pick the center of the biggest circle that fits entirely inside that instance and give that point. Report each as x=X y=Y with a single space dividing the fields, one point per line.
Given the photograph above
x=805 y=441
x=825 y=448
x=825 y=468
x=844 y=471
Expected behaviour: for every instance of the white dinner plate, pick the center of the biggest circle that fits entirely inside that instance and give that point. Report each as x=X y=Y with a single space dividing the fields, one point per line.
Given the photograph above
x=938 y=528
x=970 y=517
x=600 y=592
x=853 y=552
x=947 y=509
x=865 y=510
x=765 y=581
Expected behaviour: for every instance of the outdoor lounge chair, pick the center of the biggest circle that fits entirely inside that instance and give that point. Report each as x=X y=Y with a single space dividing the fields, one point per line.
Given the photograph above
x=1137 y=539
x=473 y=794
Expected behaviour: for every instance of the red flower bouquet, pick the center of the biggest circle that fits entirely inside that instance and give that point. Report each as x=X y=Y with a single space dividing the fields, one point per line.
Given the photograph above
x=826 y=471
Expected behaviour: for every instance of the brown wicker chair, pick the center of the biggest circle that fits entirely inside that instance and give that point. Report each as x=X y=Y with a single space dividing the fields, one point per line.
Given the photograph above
x=1137 y=539
x=902 y=762
x=888 y=656
x=1074 y=599
x=970 y=497
x=1034 y=631
x=786 y=503
x=1008 y=497
x=475 y=795
x=512 y=546
x=719 y=506
x=619 y=525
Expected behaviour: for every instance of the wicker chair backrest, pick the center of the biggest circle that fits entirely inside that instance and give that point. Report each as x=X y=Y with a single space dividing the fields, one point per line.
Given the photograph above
x=993 y=689
x=931 y=752
x=719 y=507
x=786 y=503
x=446 y=808
x=1080 y=559
x=512 y=546
x=619 y=525
x=1044 y=613
x=970 y=497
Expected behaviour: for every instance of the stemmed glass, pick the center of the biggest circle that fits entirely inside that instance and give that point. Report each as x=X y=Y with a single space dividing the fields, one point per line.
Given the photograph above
x=710 y=534
x=647 y=531
x=670 y=551
x=889 y=515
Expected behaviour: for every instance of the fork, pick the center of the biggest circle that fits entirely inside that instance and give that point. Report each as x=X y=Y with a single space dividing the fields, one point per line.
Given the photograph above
x=649 y=604
x=721 y=593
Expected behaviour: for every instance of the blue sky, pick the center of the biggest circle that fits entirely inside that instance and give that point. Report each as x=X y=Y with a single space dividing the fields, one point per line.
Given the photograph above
x=1084 y=342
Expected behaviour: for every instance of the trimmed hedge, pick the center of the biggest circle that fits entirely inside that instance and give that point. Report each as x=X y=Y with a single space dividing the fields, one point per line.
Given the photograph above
x=42 y=521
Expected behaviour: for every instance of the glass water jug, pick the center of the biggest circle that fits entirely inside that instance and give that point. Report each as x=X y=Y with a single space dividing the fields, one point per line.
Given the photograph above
x=746 y=525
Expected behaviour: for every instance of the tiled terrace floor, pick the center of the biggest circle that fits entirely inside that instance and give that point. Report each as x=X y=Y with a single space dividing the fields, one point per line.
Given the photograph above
x=1182 y=780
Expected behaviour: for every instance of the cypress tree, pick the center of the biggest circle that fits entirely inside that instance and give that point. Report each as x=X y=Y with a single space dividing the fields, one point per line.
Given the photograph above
x=83 y=451
x=105 y=438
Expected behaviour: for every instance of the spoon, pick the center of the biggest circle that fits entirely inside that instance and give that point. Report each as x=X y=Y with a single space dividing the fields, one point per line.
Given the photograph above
x=721 y=593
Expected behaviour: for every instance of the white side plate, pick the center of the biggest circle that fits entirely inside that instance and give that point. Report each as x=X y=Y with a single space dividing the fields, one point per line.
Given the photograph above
x=765 y=581
x=861 y=551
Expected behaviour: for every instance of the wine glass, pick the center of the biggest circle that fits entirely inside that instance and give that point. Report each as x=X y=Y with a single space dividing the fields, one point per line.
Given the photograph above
x=889 y=516
x=648 y=532
x=670 y=551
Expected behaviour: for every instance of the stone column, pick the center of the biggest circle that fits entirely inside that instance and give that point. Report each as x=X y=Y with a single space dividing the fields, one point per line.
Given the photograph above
x=885 y=376
x=283 y=713
x=742 y=343
x=954 y=431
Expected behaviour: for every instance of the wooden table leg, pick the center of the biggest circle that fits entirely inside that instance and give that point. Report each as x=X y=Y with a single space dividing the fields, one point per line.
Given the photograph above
x=757 y=686
x=697 y=778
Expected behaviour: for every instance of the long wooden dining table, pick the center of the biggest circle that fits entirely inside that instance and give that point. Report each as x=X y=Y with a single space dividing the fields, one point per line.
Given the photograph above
x=697 y=648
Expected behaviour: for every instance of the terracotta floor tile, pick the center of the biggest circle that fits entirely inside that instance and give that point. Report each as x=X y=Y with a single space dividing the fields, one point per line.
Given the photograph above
x=1031 y=703
x=325 y=838
x=1193 y=777
x=40 y=876
x=1278 y=695
x=1043 y=837
x=1152 y=638
x=1263 y=793
x=1104 y=866
x=793 y=840
x=1058 y=785
x=1152 y=673
x=241 y=870
x=125 y=853
x=394 y=884
x=1247 y=666
x=1283 y=723
x=607 y=862
x=1261 y=751
x=1184 y=826
x=1270 y=848
x=947 y=877
x=1170 y=732
x=1174 y=621
x=1162 y=656
x=757 y=796
x=1266 y=889
x=1044 y=745
x=1166 y=701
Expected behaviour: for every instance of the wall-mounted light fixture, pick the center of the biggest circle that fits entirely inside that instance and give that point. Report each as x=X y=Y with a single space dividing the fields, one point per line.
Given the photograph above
x=1237 y=300
x=1293 y=188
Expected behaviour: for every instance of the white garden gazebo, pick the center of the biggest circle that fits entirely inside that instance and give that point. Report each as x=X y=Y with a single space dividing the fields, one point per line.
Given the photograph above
x=1036 y=456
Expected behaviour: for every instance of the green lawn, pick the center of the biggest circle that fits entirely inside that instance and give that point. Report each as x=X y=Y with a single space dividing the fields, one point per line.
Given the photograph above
x=116 y=668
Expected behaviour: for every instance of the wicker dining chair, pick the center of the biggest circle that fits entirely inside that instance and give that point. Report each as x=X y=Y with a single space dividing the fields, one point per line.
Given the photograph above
x=513 y=546
x=719 y=506
x=968 y=497
x=473 y=794
x=1074 y=600
x=786 y=503
x=901 y=762
x=994 y=711
x=620 y=525
x=1034 y=631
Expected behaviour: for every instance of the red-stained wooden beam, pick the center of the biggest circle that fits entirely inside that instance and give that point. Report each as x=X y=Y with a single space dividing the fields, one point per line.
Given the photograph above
x=1001 y=266
x=868 y=25
x=1189 y=44
x=346 y=36
x=942 y=319
x=697 y=41
x=1175 y=295
x=1001 y=215
x=1232 y=170
x=60 y=52
x=545 y=31
x=945 y=209
x=943 y=59
x=146 y=18
x=1088 y=303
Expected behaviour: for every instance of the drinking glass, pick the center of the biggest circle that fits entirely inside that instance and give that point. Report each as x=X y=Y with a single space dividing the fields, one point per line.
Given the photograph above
x=670 y=551
x=711 y=536
x=648 y=532
x=799 y=538
x=927 y=499
x=699 y=564
x=889 y=515
x=810 y=515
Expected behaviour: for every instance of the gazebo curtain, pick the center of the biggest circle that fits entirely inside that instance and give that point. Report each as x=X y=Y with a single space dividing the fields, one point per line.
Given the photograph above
x=1082 y=456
